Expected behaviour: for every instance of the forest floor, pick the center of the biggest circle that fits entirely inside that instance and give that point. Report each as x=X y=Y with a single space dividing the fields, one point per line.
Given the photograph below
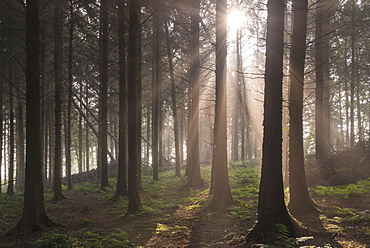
x=174 y=218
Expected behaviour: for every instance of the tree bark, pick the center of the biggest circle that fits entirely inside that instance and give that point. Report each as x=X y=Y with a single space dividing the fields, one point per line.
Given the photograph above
x=104 y=96
x=272 y=211
x=34 y=217
x=321 y=152
x=174 y=105
x=156 y=91
x=300 y=199
x=222 y=193
x=58 y=49
x=121 y=189
x=69 y=103
x=195 y=180
x=134 y=110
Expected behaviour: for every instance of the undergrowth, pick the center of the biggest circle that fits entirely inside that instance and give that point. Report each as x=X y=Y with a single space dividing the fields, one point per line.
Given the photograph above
x=344 y=191
x=83 y=238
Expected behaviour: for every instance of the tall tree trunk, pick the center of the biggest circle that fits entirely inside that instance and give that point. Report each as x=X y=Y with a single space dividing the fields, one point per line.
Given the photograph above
x=195 y=179
x=2 y=60
x=87 y=141
x=121 y=189
x=20 y=143
x=353 y=77
x=10 y=189
x=222 y=193
x=58 y=49
x=174 y=105
x=300 y=199
x=134 y=110
x=104 y=96
x=272 y=211
x=51 y=146
x=69 y=103
x=80 y=143
x=156 y=91
x=33 y=216
x=321 y=152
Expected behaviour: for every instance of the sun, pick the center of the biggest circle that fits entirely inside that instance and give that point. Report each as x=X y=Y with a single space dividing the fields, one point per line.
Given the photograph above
x=236 y=19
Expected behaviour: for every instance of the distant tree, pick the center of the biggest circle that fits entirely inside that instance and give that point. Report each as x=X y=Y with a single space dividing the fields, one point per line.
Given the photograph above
x=34 y=217
x=222 y=193
x=195 y=179
x=69 y=102
x=156 y=81
x=272 y=210
x=58 y=58
x=321 y=148
x=10 y=189
x=134 y=108
x=104 y=96
x=300 y=200
x=174 y=104
x=121 y=189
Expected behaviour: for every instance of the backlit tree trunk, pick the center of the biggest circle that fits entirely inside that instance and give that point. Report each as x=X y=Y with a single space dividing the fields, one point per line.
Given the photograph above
x=195 y=179
x=300 y=199
x=174 y=105
x=222 y=193
x=272 y=211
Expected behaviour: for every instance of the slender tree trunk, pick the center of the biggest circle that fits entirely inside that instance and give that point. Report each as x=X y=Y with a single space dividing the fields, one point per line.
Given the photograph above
x=121 y=189
x=69 y=104
x=321 y=152
x=155 y=92
x=134 y=110
x=222 y=193
x=272 y=211
x=44 y=109
x=347 y=96
x=87 y=130
x=20 y=143
x=104 y=96
x=80 y=138
x=300 y=199
x=353 y=77
x=51 y=146
x=174 y=105
x=10 y=190
x=58 y=49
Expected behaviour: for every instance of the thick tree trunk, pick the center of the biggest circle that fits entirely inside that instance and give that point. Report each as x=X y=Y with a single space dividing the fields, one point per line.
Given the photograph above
x=195 y=180
x=272 y=212
x=134 y=110
x=300 y=199
x=34 y=216
x=222 y=193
